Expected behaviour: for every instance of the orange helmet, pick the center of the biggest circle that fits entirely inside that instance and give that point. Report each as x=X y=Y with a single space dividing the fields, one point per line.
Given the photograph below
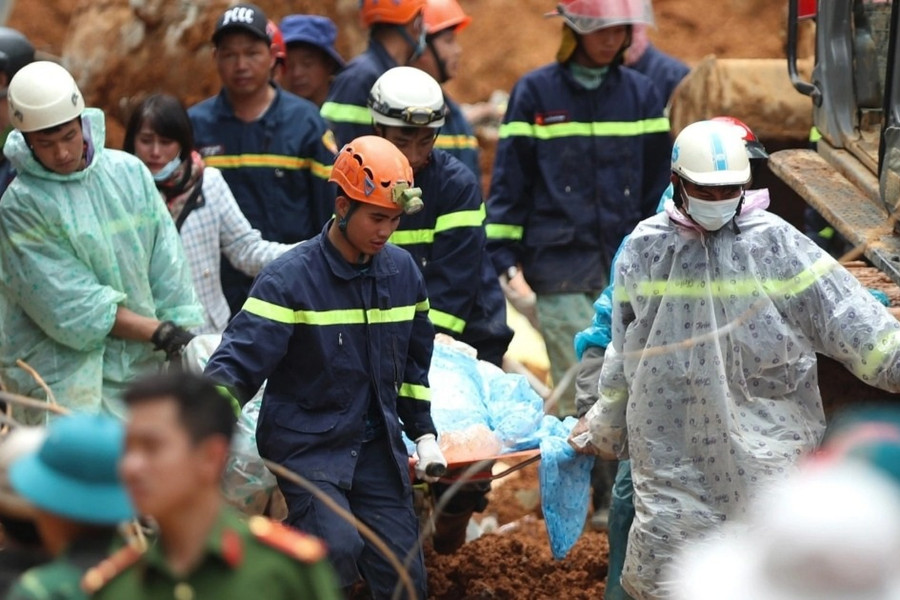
x=444 y=14
x=277 y=40
x=370 y=169
x=395 y=12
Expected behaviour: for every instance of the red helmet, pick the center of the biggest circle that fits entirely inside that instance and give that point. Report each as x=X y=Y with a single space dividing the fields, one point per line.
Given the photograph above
x=277 y=40
x=444 y=14
x=396 y=12
x=370 y=169
x=755 y=149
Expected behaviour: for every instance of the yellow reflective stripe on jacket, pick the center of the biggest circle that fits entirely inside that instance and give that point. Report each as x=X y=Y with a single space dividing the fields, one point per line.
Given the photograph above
x=595 y=129
x=497 y=231
x=454 y=220
x=348 y=316
x=456 y=142
x=446 y=320
x=418 y=392
x=885 y=347
x=346 y=113
x=728 y=289
x=276 y=161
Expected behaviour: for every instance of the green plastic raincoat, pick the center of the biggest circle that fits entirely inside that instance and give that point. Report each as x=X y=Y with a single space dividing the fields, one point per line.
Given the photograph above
x=72 y=249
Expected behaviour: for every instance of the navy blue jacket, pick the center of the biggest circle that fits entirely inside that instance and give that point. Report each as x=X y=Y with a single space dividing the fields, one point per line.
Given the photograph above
x=277 y=168
x=331 y=339
x=346 y=108
x=447 y=241
x=576 y=169
x=663 y=70
x=458 y=138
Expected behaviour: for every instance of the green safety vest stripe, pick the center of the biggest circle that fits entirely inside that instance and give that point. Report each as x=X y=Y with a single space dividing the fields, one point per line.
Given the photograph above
x=415 y=391
x=814 y=134
x=447 y=321
x=595 y=129
x=728 y=289
x=235 y=403
x=349 y=316
x=826 y=233
x=456 y=142
x=885 y=347
x=497 y=231
x=346 y=113
x=454 y=220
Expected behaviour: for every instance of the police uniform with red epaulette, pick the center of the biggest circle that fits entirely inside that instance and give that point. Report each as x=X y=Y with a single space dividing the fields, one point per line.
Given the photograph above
x=258 y=558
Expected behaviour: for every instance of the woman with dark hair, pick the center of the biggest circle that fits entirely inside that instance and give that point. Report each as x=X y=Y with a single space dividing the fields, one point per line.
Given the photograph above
x=205 y=211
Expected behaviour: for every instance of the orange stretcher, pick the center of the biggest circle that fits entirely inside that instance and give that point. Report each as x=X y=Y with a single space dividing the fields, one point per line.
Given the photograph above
x=456 y=470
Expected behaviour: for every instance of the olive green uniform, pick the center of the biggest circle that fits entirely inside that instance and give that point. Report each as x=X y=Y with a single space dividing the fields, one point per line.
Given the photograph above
x=60 y=578
x=242 y=559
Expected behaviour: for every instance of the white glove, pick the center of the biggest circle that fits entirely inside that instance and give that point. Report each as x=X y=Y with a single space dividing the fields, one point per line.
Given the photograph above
x=432 y=464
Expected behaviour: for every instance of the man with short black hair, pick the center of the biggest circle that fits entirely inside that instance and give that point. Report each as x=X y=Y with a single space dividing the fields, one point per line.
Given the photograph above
x=272 y=147
x=177 y=440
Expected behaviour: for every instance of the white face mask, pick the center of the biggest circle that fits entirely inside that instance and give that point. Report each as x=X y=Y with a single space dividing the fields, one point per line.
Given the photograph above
x=167 y=170
x=712 y=215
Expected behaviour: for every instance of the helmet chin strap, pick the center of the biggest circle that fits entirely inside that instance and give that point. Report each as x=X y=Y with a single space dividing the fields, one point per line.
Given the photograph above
x=342 y=227
x=441 y=64
x=417 y=45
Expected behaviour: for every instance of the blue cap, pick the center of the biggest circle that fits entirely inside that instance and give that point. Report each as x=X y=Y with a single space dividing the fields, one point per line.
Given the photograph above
x=315 y=30
x=74 y=473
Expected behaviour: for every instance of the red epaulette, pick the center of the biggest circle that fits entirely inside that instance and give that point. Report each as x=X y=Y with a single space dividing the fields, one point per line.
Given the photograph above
x=301 y=546
x=96 y=577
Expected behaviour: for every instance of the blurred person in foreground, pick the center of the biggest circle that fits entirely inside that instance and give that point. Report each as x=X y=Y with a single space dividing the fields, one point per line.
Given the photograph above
x=177 y=439
x=20 y=542
x=71 y=481
x=709 y=383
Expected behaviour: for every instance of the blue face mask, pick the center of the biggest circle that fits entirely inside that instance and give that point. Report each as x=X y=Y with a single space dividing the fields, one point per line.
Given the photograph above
x=167 y=170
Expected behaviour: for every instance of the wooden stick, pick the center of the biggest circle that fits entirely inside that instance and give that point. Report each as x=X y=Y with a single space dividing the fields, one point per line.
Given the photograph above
x=33 y=403
x=37 y=377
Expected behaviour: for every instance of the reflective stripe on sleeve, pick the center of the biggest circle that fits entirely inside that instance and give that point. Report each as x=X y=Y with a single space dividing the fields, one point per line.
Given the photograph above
x=456 y=142
x=346 y=113
x=447 y=321
x=415 y=391
x=498 y=231
x=454 y=220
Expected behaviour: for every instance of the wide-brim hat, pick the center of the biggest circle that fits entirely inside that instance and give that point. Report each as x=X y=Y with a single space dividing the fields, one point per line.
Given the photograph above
x=74 y=474
x=314 y=30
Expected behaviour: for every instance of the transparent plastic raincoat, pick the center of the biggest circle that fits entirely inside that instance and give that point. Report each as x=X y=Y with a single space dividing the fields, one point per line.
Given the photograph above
x=72 y=249
x=710 y=383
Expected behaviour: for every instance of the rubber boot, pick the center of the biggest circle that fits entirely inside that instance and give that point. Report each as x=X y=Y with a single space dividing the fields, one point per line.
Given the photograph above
x=450 y=531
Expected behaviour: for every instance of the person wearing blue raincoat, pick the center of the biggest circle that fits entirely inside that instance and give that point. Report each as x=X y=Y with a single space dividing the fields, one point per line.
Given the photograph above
x=709 y=385
x=93 y=278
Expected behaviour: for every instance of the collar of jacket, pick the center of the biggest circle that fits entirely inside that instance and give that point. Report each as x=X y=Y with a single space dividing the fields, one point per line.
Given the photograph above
x=93 y=124
x=222 y=107
x=612 y=74
x=381 y=56
x=382 y=265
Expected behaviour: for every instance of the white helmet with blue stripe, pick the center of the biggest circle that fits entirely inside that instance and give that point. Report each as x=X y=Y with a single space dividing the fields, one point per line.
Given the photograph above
x=710 y=153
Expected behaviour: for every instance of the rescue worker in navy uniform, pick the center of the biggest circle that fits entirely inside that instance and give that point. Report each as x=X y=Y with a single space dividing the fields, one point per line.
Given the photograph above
x=447 y=237
x=582 y=157
x=272 y=147
x=397 y=37
x=447 y=241
x=443 y=20
x=339 y=327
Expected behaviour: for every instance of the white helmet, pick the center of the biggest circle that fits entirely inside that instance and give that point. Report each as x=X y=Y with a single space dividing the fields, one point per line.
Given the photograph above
x=407 y=97
x=43 y=95
x=710 y=153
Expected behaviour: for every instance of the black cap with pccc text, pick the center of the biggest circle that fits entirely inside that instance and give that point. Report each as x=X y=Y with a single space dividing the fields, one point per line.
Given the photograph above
x=242 y=17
